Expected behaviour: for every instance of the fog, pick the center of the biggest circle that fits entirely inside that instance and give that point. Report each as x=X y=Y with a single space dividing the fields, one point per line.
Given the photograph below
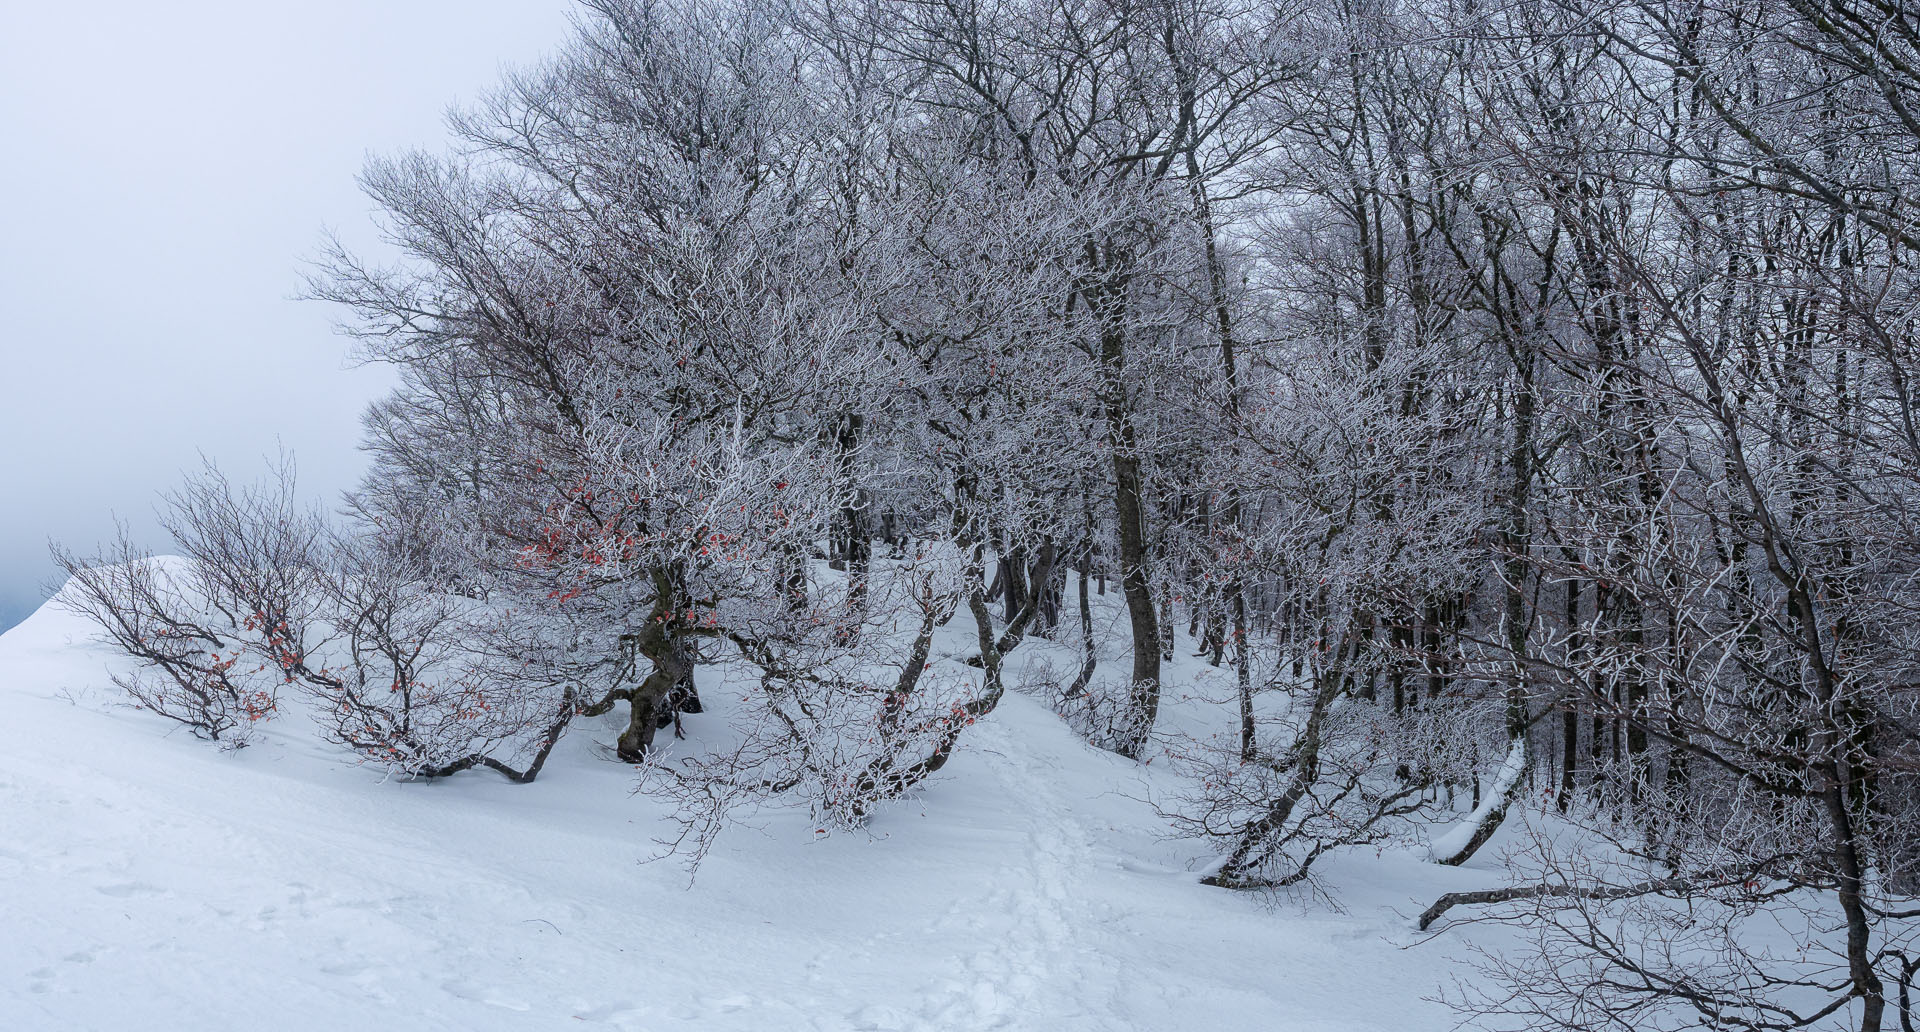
x=168 y=170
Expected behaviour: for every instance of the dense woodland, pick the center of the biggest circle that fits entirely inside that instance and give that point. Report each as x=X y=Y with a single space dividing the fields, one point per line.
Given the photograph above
x=1518 y=398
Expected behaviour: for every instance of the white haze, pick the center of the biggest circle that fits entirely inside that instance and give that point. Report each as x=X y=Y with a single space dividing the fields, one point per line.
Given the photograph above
x=166 y=169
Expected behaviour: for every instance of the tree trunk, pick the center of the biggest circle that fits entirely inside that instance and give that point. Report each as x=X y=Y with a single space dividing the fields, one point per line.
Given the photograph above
x=1109 y=304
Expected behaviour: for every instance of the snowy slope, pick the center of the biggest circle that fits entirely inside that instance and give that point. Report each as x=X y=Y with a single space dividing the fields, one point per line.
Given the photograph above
x=149 y=881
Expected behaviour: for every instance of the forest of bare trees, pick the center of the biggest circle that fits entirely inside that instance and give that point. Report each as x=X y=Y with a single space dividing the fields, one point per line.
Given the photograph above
x=1516 y=396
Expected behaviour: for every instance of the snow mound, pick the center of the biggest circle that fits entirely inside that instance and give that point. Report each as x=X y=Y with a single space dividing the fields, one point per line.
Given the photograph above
x=150 y=881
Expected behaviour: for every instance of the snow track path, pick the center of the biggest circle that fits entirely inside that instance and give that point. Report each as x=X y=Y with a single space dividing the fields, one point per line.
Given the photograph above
x=1045 y=937
x=148 y=881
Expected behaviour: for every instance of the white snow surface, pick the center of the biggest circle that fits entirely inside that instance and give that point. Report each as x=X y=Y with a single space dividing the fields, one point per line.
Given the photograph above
x=150 y=881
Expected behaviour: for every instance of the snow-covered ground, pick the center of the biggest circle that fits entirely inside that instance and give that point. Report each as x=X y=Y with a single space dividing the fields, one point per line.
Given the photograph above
x=149 y=881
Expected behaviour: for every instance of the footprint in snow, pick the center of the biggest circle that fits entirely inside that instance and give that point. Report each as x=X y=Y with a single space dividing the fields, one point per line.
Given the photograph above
x=125 y=889
x=481 y=994
x=618 y=1013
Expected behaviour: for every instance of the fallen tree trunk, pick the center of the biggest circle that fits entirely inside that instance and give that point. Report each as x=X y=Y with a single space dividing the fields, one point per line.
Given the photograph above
x=1459 y=844
x=1720 y=876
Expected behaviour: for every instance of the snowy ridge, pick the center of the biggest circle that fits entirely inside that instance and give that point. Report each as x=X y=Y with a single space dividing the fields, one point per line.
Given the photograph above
x=150 y=881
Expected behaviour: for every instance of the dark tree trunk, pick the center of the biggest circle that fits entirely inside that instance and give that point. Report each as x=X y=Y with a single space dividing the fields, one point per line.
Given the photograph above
x=672 y=666
x=1570 y=717
x=1108 y=302
x=1012 y=579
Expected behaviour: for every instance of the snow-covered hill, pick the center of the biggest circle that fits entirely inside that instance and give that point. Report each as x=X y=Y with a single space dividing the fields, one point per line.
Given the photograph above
x=148 y=881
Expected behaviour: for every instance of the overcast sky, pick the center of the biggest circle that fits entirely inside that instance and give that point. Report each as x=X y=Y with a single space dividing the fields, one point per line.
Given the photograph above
x=166 y=169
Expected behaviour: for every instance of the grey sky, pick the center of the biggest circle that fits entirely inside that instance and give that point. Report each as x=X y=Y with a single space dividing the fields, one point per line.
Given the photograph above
x=166 y=168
